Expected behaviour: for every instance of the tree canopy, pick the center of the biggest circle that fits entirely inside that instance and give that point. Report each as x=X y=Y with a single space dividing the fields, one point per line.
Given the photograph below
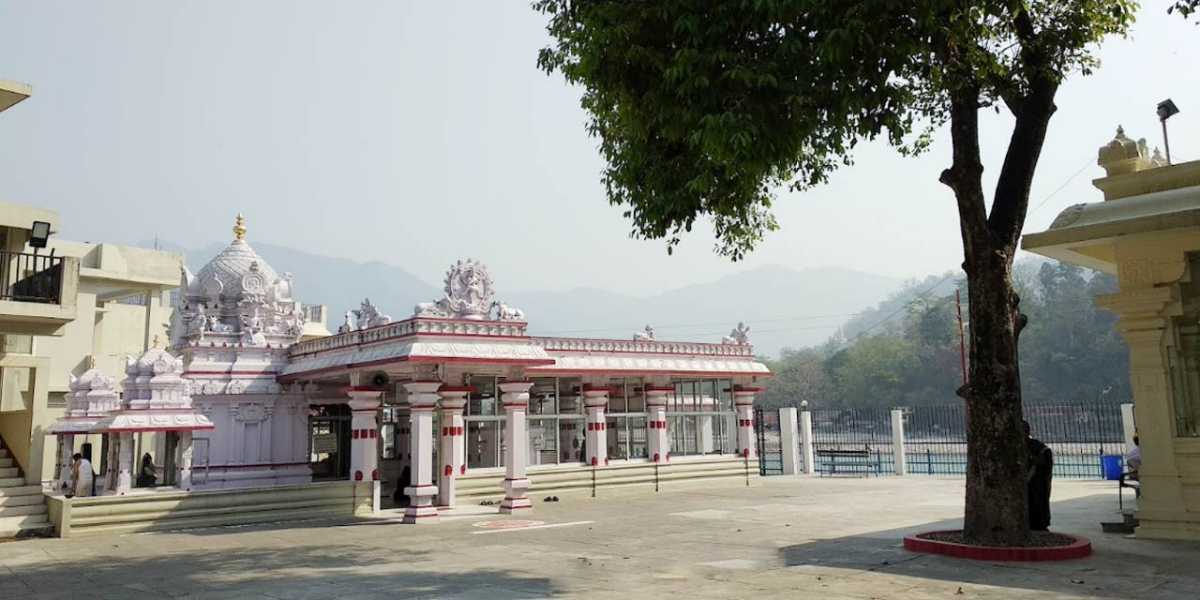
x=706 y=109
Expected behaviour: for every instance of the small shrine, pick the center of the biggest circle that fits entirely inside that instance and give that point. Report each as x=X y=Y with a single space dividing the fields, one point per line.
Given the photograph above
x=92 y=398
x=157 y=399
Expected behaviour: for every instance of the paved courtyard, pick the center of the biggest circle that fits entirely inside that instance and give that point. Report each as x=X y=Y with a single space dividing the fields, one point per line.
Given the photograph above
x=795 y=537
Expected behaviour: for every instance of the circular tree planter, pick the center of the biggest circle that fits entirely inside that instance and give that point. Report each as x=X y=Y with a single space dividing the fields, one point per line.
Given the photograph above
x=1065 y=547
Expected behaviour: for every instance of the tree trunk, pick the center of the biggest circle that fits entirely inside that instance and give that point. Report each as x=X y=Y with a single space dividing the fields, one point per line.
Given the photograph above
x=996 y=500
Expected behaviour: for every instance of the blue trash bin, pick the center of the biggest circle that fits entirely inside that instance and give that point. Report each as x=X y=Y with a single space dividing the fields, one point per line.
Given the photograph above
x=1112 y=466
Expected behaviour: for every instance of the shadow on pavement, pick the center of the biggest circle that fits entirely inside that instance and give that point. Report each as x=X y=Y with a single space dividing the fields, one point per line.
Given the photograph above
x=1120 y=567
x=293 y=571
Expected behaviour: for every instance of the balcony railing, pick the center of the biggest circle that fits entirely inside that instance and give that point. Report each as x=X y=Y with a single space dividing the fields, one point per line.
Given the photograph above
x=31 y=278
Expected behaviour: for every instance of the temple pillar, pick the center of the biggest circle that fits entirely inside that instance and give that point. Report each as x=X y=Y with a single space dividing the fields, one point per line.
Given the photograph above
x=515 y=399
x=657 y=443
x=66 y=449
x=124 y=464
x=595 y=401
x=422 y=399
x=183 y=461
x=743 y=402
x=453 y=441
x=364 y=433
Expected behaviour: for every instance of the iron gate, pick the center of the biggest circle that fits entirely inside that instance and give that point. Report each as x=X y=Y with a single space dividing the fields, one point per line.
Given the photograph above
x=770 y=441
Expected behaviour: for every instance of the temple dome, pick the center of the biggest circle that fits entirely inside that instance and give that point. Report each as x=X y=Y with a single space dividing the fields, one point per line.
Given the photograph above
x=236 y=271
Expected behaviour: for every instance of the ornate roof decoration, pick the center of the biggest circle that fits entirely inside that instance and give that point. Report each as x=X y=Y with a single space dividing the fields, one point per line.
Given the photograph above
x=646 y=335
x=237 y=294
x=365 y=317
x=92 y=397
x=739 y=336
x=157 y=397
x=1123 y=155
x=468 y=295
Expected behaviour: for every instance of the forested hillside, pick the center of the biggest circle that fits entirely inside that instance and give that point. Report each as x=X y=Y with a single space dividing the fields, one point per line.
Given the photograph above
x=906 y=351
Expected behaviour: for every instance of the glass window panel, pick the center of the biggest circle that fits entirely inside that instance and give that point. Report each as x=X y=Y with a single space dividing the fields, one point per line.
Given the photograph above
x=616 y=395
x=483 y=443
x=543 y=396
x=636 y=401
x=570 y=438
x=618 y=438
x=482 y=401
x=637 y=438
x=543 y=441
x=569 y=398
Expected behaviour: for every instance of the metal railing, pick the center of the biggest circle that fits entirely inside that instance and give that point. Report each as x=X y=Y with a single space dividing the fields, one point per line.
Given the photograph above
x=31 y=277
x=935 y=437
x=852 y=441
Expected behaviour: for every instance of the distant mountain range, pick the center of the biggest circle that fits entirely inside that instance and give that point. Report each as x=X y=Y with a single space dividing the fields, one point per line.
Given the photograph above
x=783 y=307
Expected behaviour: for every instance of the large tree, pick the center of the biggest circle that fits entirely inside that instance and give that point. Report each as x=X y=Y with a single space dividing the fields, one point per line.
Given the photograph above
x=705 y=108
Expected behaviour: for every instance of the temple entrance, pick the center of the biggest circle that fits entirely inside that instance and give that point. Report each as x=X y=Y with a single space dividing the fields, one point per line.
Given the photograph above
x=329 y=442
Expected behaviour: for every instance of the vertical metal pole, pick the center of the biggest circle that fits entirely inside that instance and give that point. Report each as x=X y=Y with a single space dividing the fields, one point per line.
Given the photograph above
x=1166 y=141
x=656 y=476
x=746 y=462
x=593 y=481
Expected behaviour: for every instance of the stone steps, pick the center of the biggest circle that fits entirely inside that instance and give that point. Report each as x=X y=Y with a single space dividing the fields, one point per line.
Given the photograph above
x=25 y=526
x=473 y=488
x=22 y=506
x=171 y=510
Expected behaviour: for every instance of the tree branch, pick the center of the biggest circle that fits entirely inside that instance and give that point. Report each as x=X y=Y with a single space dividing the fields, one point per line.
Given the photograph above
x=965 y=175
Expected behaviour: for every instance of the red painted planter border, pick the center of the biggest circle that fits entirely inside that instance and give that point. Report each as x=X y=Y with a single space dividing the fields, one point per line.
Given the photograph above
x=1079 y=548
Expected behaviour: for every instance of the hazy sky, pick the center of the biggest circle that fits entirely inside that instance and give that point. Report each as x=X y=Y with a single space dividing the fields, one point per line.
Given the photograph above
x=419 y=133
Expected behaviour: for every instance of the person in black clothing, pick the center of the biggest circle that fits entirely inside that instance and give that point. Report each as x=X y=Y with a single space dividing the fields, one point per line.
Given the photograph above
x=1040 y=472
x=399 y=497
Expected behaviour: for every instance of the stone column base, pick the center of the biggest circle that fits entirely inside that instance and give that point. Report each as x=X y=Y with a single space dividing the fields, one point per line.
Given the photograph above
x=515 y=499
x=421 y=510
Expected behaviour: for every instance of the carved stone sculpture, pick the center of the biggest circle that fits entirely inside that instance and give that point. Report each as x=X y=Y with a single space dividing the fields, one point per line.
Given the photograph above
x=739 y=336
x=468 y=295
x=368 y=316
x=644 y=336
x=505 y=312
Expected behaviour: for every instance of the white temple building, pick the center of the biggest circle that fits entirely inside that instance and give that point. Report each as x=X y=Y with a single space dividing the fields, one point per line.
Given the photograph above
x=457 y=389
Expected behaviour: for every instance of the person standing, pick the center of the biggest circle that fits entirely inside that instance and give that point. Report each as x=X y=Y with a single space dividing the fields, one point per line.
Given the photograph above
x=83 y=476
x=1040 y=472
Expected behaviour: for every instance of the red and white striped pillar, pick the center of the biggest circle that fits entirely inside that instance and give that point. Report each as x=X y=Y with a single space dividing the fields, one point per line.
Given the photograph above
x=364 y=433
x=514 y=396
x=743 y=402
x=454 y=451
x=659 y=445
x=595 y=401
x=422 y=400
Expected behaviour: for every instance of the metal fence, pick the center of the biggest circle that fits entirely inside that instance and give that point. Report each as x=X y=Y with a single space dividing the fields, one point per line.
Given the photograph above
x=852 y=441
x=860 y=441
x=770 y=442
x=935 y=437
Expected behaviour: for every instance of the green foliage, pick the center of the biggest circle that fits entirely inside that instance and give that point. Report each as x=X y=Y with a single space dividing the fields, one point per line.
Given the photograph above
x=705 y=108
x=1186 y=8
x=1070 y=351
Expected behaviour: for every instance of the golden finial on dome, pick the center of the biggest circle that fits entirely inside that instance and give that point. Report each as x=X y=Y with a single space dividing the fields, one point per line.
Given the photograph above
x=91 y=361
x=156 y=343
x=239 y=228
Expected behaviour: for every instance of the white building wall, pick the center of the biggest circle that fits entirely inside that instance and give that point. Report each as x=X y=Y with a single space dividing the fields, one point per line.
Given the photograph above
x=259 y=439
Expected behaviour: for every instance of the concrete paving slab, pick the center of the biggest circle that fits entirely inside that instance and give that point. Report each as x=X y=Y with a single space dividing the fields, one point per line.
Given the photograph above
x=797 y=537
